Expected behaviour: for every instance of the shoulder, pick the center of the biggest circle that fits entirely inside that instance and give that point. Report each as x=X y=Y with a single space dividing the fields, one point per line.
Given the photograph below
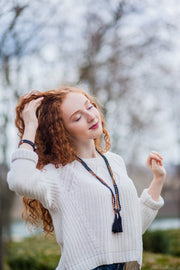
x=116 y=159
x=113 y=156
x=51 y=170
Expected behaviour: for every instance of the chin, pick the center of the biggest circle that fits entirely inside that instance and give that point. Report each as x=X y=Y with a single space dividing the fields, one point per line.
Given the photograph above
x=97 y=135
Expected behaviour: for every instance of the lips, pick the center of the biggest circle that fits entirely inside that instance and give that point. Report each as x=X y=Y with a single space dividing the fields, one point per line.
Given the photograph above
x=95 y=126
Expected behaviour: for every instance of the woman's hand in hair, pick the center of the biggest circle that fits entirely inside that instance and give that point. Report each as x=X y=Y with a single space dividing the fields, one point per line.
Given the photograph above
x=29 y=113
x=30 y=121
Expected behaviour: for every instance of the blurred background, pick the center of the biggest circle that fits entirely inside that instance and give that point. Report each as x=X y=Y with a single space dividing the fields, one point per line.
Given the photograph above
x=127 y=54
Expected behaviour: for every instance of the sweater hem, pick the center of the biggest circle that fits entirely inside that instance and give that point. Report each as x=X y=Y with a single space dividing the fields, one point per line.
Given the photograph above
x=103 y=259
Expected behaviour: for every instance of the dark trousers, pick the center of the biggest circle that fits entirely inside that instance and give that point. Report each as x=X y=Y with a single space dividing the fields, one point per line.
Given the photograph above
x=114 y=266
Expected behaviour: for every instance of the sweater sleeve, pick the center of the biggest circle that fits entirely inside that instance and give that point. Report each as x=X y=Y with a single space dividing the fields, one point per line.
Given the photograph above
x=26 y=180
x=149 y=208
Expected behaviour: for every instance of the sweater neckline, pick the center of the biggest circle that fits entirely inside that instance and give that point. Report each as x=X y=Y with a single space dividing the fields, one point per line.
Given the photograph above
x=93 y=158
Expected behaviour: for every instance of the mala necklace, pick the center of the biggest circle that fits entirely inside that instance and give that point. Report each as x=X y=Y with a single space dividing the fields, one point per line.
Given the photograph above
x=117 y=224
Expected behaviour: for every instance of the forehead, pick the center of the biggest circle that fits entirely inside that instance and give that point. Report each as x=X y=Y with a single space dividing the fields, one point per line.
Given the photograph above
x=72 y=103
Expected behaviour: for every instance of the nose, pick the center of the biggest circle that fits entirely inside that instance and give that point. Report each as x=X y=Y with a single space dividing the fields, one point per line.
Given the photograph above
x=90 y=116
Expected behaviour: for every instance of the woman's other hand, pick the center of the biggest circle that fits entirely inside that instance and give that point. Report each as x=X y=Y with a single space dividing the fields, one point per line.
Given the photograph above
x=154 y=163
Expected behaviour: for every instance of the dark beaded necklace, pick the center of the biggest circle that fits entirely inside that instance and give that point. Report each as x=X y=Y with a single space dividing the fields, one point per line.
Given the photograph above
x=117 y=224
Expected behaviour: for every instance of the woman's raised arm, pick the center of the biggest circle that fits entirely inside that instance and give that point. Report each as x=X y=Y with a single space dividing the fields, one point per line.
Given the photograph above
x=24 y=178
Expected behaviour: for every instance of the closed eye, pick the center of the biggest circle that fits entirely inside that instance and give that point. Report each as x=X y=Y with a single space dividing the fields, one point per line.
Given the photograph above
x=78 y=119
x=88 y=109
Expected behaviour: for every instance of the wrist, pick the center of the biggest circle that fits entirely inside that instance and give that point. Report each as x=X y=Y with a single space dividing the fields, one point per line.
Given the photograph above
x=159 y=179
x=29 y=143
x=31 y=127
x=155 y=188
x=29 y=133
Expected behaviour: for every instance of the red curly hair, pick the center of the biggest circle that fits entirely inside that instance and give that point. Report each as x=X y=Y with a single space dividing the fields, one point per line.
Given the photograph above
x=53 y=141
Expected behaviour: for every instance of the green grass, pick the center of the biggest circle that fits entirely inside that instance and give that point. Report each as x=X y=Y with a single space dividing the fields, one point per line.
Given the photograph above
x=38 y=253
x=152 y=261
x=174 y=236
x=45 y=251
x=166 y=242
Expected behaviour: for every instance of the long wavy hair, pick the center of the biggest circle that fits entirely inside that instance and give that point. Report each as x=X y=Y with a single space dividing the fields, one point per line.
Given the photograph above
x=54 y=143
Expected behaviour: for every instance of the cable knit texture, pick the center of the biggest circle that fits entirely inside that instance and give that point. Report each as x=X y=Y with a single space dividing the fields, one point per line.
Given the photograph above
x=81 y=208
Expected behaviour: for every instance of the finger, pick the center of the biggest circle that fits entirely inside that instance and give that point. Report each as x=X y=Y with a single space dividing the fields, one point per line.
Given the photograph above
x=156 y=163
x=150 y=158
x=159 y=162
x=34 y=103
x=154 y=152
x=37 y=101
x=37 y=108
x=153 y=164
x=155 y=156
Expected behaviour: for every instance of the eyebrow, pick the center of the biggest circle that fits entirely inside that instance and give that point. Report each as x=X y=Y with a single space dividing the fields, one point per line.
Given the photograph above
x=79 y=110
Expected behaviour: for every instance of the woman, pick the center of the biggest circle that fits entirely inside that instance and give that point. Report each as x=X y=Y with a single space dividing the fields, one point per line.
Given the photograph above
x=74 y=187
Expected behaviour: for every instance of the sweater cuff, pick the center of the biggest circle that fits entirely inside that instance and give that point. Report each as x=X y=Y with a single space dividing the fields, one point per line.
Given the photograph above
x=148 y=200
x=25 y=154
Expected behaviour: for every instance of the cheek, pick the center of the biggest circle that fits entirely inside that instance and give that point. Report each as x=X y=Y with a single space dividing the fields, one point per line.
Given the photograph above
x=78 y=128
x=97 y=114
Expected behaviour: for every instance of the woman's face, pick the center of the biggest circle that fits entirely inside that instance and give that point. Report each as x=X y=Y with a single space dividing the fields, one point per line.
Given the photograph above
x=81 y=118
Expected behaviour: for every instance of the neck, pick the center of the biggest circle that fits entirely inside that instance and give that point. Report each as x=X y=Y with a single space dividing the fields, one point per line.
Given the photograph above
x=87 y=150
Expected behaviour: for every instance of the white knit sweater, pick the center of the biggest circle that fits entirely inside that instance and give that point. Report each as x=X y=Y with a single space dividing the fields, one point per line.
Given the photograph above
x=81 y=208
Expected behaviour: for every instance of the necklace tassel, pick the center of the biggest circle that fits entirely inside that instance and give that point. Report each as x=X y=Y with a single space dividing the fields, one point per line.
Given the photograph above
x=117 y=225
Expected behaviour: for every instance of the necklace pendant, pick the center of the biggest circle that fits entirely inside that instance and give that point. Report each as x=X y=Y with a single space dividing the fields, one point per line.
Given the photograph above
x=117 y=225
